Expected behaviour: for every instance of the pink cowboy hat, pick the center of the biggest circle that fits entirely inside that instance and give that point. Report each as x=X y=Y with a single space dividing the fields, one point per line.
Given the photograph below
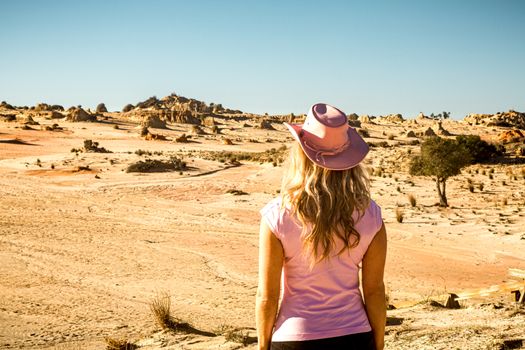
x=328 y=140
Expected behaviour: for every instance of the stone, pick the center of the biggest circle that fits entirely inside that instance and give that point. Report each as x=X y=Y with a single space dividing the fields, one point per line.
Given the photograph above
x=80 y=115
x=266 y=125
x=429 y=132
x=509 y=136
x=101 y=108
x=153 y=121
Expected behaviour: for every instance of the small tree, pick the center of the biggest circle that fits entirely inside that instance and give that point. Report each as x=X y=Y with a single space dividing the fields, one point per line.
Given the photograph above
x=440 y=159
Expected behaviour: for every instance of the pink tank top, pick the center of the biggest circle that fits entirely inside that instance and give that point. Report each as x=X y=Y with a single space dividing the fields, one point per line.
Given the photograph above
x=324 y=302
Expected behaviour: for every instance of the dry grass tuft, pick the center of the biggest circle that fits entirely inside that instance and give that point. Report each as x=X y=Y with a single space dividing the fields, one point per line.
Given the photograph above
x=412 y=200
x=399 y=215
x=119 y=344
x=160 y=307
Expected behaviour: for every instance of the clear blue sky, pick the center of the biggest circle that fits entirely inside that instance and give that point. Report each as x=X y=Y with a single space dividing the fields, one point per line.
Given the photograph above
x=373 y=57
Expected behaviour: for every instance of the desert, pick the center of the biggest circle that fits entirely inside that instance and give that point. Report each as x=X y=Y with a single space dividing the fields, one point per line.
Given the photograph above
x=105 y=214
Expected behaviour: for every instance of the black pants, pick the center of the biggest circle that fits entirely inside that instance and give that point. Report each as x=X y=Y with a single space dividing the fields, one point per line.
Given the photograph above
x=358 y=341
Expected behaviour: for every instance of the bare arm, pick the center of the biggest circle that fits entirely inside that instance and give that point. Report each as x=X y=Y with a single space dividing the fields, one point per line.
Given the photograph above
x=271 y=257
x=373 y=286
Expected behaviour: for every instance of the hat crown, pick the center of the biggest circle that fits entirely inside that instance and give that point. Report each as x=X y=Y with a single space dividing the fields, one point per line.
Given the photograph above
x=328 y=115
x=326 y=127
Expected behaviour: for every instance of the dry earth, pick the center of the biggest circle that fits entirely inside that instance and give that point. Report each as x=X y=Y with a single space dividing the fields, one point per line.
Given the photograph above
x=83 y=253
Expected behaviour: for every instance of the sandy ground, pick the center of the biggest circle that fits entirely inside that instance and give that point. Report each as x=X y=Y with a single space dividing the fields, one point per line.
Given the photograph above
x=83 y=253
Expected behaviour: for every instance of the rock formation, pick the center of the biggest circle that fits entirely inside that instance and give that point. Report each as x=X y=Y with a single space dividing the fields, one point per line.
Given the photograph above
x=80 y=115
x=266 y=125
x=509 y=136
x=55 y=115
x=101 y=108
x=429 y=132
x=440 y=130
x=353 y=117
x=506 y=119
x=127 y=108
x=421 y=116
x=365 y=118
x=197 y=130
x=392 y=118
x=153 y=121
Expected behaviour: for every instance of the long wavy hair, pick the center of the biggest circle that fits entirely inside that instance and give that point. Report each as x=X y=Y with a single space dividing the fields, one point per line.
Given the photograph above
x=324 y=200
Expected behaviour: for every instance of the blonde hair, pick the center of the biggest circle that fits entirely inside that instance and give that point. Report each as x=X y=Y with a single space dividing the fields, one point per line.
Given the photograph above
x=324 y=200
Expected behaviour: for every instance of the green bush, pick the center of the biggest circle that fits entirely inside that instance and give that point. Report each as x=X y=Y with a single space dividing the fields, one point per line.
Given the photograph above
x=479 y=150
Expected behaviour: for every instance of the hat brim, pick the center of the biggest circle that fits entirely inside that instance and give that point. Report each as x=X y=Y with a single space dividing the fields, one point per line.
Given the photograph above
x=349 y=158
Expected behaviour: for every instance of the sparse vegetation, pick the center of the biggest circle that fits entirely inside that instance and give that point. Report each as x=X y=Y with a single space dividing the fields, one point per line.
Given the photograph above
x=412 y=200
x=399 y=215
x=363 y=132
x=236 y=192
x=160 y=307
x=157 y=166
x=273 y=155
x=142 y=152
x=479 y=150
x=119 y=344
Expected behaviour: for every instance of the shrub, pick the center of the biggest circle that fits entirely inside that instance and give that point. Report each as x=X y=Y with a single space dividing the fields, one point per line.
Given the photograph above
x=391 y=137
x=141 y=152
x=412 y=200
x=119 y=344
x=399 y=215
x=156 y=166
x=471 y=188
x=363 y=132
x=481 y=186
x=479 y=150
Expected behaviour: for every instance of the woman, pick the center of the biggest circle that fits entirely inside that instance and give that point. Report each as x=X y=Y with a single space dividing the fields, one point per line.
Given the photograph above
x=315 y=237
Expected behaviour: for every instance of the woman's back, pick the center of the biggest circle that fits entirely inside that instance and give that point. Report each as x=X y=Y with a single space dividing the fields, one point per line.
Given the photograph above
x=323 y=300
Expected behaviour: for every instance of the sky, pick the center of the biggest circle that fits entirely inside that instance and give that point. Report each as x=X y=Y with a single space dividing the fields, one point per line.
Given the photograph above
x=366 y=57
